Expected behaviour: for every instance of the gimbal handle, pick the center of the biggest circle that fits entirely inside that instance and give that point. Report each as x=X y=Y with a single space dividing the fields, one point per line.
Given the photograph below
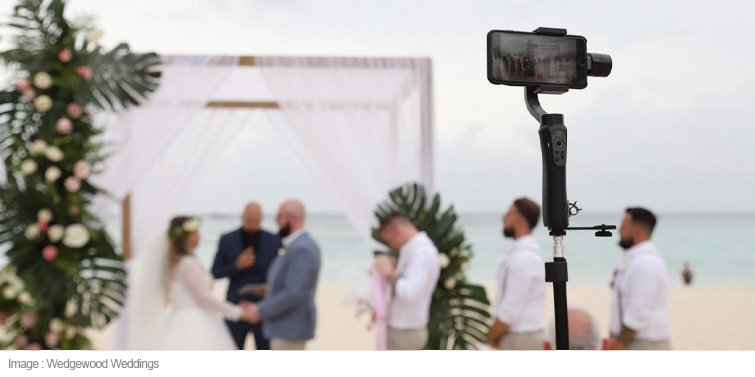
x=553 y=147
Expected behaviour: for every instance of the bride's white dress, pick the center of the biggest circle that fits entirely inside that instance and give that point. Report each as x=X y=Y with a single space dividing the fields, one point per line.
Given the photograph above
x=196 y=319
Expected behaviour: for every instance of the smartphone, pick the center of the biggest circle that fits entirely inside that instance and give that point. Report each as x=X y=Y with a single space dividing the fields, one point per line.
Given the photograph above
x=529 y=59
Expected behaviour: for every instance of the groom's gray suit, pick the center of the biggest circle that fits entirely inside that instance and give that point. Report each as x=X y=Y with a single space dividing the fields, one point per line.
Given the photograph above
x=288 y=310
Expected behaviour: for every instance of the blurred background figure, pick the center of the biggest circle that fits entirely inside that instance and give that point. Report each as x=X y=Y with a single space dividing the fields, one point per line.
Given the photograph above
x=584 y=332
x=687 y=274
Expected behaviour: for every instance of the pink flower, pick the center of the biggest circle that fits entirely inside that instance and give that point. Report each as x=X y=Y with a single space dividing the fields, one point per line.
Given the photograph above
x=52 y=340
x=64 y=126
x=42 y=226
x=29 y=93
x=50 y=252
x=65 y=55
x=21 y=341
x=28 y=320
x=81 y=169
x=33 y=347
x=74 y=110
x=22 y=84
x=72 y=184
x=84 y=72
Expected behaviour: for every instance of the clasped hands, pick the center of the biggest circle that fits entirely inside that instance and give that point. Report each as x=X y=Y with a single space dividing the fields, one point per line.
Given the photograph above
x=250 y=312
x=385 y=264
x=246 y=259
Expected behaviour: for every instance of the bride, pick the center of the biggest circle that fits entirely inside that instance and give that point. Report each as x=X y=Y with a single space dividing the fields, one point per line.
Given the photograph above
x=195 y=321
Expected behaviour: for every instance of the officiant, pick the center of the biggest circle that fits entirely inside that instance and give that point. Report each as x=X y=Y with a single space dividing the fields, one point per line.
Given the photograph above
x=244 y=256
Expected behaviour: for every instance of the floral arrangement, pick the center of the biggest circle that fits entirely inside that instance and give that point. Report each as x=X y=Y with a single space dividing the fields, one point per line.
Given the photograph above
x=63 y=274
x=191 y=225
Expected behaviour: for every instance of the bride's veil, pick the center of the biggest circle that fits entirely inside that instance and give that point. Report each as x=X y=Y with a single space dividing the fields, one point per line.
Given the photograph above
x=145 y=311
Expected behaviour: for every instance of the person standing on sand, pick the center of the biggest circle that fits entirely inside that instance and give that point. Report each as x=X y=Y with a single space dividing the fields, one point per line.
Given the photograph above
x=687 y=274
x=639 y=297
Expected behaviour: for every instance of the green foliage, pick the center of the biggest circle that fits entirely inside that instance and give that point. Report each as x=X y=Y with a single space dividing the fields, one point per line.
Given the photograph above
x=64 y=275
x=459 y=317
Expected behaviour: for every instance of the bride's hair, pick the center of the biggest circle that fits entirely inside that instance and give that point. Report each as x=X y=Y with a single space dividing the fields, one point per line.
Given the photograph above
x=178 y=234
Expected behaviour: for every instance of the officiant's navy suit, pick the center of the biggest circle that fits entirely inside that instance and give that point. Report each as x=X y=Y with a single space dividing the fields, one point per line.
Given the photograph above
x=229 y=248
x=288 y=310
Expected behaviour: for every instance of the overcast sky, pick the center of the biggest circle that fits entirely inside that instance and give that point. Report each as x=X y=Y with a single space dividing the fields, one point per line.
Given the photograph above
x=671 y=128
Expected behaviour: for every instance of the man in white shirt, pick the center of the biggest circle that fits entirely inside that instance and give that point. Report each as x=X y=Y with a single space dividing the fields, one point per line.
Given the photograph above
x=639 y=298
x=518 y=313
x=413 y=279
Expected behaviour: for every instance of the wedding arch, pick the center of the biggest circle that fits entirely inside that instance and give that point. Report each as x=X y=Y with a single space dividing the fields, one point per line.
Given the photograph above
x=362 y=125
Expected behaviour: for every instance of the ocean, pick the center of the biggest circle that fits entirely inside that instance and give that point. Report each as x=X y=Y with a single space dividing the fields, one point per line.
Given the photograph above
x=718 y=247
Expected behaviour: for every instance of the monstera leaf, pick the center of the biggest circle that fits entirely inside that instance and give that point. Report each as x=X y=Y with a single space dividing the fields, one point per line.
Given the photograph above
x=459 y=317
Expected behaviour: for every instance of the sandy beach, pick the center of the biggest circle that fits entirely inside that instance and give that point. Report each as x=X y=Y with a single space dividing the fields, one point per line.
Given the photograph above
x=702 y=318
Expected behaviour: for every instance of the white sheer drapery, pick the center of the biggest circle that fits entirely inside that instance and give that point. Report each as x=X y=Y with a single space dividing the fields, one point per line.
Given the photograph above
x=160 y=149
x=155 y=198
x=362 y=125
x=142 y=135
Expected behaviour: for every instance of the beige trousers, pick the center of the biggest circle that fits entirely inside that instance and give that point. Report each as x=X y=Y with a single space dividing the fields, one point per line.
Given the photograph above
x=523 y=341
x=277 y=344
x=406 y=339
x=639 y=344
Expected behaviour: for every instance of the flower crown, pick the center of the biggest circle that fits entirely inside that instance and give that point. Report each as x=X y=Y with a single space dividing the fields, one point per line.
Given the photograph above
x=190 y=225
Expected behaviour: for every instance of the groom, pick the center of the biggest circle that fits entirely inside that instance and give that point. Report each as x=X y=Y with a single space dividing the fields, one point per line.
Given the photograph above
x=289 y=307
x=244 y=256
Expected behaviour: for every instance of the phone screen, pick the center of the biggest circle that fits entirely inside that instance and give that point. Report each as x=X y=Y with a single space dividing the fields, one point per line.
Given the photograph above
x=516 y=58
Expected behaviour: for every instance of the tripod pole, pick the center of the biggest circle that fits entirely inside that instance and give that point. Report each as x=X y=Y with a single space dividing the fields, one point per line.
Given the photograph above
x=556 y=272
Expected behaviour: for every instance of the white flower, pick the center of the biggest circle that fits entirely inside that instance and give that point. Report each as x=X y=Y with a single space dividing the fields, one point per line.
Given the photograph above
x=55 y=233
x=53 y=153
x=70 y=311
x=444 y=261
x=450 y=283
x=52 y=174
x=38 y=147
x=44 y=215
x=31 y=232
x=42 y=80
x=24 y=298
x=14 y=281
x=56 y=325
x=43 y=103
x=71 y=331
x=28 y=167
x=94 y=35
x=191 y=225
x=76 y=235
x=9 y=293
